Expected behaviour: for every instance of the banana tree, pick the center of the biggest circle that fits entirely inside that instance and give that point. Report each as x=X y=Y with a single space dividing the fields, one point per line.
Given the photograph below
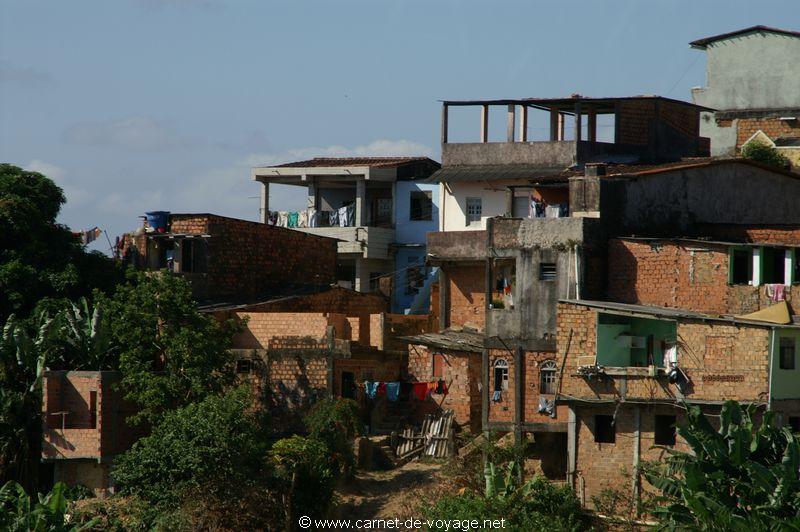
x=18 y=513
x=742 y=476
x=84 y=331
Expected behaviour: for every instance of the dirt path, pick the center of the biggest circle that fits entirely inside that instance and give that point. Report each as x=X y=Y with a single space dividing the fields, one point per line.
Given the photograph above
x=389 y=494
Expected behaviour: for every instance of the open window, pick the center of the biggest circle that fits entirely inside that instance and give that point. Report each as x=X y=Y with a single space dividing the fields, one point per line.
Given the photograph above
x=604 y=430
x=741 y=266
x=773 y=265
x=504 y=272
x=665 y=432
x=421 y=205
x=500 y=375
x=193 y=256
x=627 y=341
x=547 y=377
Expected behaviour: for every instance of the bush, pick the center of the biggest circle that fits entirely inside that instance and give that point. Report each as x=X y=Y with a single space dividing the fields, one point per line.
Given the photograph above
x=214 y=446
x=336 y=422
x=765 y=154
x=17 y=514
x=306 y=469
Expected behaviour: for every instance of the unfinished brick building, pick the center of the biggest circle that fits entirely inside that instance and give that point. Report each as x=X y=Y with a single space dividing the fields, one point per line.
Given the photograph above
x=84 y=426
x=232 y=260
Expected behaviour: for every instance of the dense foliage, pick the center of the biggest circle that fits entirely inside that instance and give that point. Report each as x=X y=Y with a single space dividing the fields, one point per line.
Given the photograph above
x=40 y=258
x=48 y=514
x=210 y=445
x=743 y=476
x=336 y=422
x=170 y=354
x=764 y=154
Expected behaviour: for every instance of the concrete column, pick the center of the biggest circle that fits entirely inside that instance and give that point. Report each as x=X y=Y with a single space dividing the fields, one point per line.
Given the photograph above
x=361 y=203
x=394 y=204
x=756 y=266
x=444 y=299
x=636 y=453
x=572 y=445
x=560 y=127
x=362 y=276
x=263 y=210
x=788 y=266
x=578 y=116
x=313 y=195
x=523 y=124
x=484 y=123
x=509 y=202
x=512 y=115
x=555 y=119
x=444 y=123
x=592 y=125
x=519 y=393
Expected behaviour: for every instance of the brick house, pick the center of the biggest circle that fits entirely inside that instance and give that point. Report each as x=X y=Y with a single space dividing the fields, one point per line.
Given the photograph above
x=84 y=426
x=627 y=370
x=232 y=260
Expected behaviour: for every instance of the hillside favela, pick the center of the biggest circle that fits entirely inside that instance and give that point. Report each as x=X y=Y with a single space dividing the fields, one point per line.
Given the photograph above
x=398 y=266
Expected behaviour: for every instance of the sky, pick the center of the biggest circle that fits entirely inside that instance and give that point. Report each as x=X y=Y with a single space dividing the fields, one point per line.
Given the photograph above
x=140 y=105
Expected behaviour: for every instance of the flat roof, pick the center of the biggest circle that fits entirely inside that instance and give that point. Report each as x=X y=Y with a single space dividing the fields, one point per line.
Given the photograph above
x=370 y=162
x=704 y=42
x=672 y=313
x=567 y=104
x=704 y=241
x=449 y=339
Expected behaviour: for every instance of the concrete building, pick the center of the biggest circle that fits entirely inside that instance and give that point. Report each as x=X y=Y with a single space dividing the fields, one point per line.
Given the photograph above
x=379 y=208
x=514 y=175
x=752 y=84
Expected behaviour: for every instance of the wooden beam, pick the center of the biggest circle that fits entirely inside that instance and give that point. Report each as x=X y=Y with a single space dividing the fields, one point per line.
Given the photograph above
x=484 y=123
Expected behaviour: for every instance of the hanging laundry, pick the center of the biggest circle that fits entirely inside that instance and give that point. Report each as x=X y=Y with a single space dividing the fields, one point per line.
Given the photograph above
x=564 y=210
x=537 y=208
x=351 y=215
x=392 y=391
x=775 y=292
x=312 y=217
x=496 y=396
x=292 y=219
x=431 y=389
x=553 y=211
x=333 y=218
x=90 y=235
x=343 y=217
x=441 y=387
x=381 y=388
x=371 y=388
x=302 y=219
x=272 y=218
x=546 y=406
x=420 y=390
x=283 y=219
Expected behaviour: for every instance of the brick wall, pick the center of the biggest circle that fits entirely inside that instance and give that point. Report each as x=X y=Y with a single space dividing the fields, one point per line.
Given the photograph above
x=782 y=235
x=774 y=128
x=265 y=330
x=336 y=299
x=724 y=361
x=89 y=473
x=461 y=372
x=293 y=382
x=633 y=121
x=503 y=410
x=687 y=275
x=681 y=117
x=467 y=295
x=374 y=369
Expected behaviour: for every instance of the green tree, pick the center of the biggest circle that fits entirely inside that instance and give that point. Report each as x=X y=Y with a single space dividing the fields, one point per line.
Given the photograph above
x=764 y=154
x=17 y=514
x=214 y=446
x=743 y=476
x=40 y=258
x=170 y=354
x=85 y=335
x=335 y=421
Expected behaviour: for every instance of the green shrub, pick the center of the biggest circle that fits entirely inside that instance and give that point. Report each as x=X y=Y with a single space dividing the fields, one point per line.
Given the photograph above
x=215 y=444
x=336 y=422
x=765 y=154
x=48 y=514
x=306 y=470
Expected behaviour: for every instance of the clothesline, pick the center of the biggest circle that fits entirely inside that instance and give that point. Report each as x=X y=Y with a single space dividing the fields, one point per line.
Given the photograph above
x=420 y=390
x=311 y=217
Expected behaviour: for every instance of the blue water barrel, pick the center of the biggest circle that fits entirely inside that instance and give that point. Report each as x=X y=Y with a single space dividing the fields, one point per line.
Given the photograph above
x=158 y=220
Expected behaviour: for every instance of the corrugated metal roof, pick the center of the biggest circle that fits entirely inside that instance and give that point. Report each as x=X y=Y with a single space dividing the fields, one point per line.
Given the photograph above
x=567 y=104
x=372 y=162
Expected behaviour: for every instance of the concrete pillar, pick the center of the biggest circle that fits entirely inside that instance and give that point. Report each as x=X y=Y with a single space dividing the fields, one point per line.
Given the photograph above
x=444 y=299
x=592 y=125
x=572 y=445
x=361 y=203
x=636 y=453
x=263 y=210
x=444 y=123
x=523 y=123
x=484 y=123
x=313 y=195
x=560 y=127
x=578 y=117
x=555 y=118
x=756 y=266
x=512 y=115
x=362 y=276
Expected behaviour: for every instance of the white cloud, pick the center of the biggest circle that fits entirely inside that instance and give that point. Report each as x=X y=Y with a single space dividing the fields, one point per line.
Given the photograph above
x=378 y=148
x=136 y=133
x=76 y=196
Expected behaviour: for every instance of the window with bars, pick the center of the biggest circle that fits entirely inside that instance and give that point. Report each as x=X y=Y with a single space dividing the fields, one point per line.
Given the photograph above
x=547 y=271
x=500 y=375
x=547 y=377
x=474 y=211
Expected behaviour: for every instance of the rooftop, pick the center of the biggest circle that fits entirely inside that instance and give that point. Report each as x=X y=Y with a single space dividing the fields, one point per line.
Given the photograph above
x=451 y=339
x=371 y=162
x=703 y=43
x=566 y=105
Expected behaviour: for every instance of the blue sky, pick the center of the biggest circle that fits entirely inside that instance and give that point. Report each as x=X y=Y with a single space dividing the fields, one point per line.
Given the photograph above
x=135 y=105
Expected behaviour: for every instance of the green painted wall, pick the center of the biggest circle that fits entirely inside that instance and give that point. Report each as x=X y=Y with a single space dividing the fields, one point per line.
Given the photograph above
x=611 y=326
x=785 y=382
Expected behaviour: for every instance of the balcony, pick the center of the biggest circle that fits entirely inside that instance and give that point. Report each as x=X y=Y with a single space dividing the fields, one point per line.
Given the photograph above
x=369 y=242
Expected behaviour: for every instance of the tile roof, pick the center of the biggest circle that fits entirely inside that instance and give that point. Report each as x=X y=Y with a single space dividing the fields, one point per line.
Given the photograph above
x=372 y=162
x=703 y=43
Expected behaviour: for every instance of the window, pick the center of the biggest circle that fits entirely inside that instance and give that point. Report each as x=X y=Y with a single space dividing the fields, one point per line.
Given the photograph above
x=193 y=256
x=665 y=430
x=786 y=353
x=421 y=206
x=547 y=271
x=604 y=430
x=500 y=375
x=438 y=366
x=244 y=366
x=505 y=278
x=547 y=377
x=794 y=423
x=474 y=211
x=375 y=281
x=773 y=266
x=741 y=271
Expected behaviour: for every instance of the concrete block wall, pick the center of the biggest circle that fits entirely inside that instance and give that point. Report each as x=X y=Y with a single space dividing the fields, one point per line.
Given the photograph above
x=461 y=372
